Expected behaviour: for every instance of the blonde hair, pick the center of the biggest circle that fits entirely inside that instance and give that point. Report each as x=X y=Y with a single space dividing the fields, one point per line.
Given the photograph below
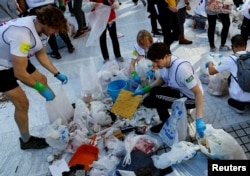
x=142 y=35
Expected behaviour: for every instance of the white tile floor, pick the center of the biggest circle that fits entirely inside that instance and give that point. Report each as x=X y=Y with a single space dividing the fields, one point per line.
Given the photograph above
x=130 y=19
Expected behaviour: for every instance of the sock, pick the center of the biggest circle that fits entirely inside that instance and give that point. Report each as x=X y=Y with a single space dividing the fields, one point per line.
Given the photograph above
x=25 y=136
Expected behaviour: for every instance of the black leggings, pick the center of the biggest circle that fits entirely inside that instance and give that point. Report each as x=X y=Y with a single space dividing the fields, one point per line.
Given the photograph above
x=225 y=20
x=162 y=99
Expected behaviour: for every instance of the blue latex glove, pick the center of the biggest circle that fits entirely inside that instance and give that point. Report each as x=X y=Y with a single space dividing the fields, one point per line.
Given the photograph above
x=47 y=94
x=61 y=77
x=200 y=127
x=138 y=92
x=137 y=79
x=150 y=74
x=44 y=91
x=206 y=64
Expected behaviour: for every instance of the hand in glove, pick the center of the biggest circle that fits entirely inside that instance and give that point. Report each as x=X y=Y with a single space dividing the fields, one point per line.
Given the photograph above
x=200 y=127
x=142 y=91
x=44 y=91
x=135 y=77
x=62 y=6
x=150 y=74
x=61 y=77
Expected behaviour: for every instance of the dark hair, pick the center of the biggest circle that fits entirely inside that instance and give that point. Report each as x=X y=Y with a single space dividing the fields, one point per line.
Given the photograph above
x=53 y=17
x=238 y=41
x=158 y=51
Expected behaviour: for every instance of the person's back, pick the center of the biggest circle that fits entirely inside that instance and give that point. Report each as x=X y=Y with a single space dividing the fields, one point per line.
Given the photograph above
x=8 y=10
x=238 y=98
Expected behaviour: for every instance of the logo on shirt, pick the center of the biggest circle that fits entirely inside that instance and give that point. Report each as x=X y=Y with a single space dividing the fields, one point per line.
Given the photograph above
x=191 y=78
x=25 y=47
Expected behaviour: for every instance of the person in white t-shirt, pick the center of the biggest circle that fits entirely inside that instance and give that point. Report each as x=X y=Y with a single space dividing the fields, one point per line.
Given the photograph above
x=20 y=39
x=177 y=79
x=238 y=98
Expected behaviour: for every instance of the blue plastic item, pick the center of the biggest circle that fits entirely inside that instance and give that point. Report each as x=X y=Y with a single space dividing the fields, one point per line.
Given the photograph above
x=114 y=88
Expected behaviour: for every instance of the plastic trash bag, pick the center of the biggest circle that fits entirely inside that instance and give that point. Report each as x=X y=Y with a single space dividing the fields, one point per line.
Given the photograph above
x=218 y=144
x=179 y=152
x=97 y=20
x=200 y=9
x=175 y=127
x=60 y=108
x=218 y=84
x=91 y=87
x=57 y=135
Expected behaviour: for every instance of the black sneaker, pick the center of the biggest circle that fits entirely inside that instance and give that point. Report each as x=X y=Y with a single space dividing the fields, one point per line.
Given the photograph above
x=236 y=106
x=33 y=143
x=157 y=128
x=80 y=34
x=55 y=55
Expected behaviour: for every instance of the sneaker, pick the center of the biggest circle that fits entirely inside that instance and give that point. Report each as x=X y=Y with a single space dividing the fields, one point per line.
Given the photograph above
x=33 y=143
x=239 y=108
x=80 y=33
x=120 y=59
x=213 y=49
x=55 y=55
x=225 y=48
x=157 y=128
x=71 y=48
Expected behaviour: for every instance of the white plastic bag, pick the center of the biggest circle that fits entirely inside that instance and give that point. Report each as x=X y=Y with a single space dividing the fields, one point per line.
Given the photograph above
x=57 y=135
x=60 y=108
x=175 y=128
x=179 y=152
x=91 y=88
x=218 y=84
x=218 y=144
x=98 y=20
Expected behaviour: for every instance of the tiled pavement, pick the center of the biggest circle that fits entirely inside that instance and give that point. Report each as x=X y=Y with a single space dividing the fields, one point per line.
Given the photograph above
x=130 y=19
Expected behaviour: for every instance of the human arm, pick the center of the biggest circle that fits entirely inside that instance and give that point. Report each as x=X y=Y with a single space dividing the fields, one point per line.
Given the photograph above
x=211 y=68
x=146 y=89
x=172 y=6
x=19 y=67
x=188 y=7
x=44 y=60
x=200 y=124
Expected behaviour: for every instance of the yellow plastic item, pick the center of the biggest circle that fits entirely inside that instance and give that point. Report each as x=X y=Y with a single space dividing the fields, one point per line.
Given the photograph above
x=126 y=104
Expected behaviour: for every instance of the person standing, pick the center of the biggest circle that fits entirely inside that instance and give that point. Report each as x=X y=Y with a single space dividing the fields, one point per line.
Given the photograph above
x=177 y=79
x=80 y=19
x=183 y=6
x=239 y=99
x=225 y=20
x=20 y=39
x=245 y=26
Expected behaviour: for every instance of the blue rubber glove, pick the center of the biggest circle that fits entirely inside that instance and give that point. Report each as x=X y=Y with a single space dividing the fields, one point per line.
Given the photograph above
x=200 y=127
x=150 y=74
x=44 y=91
x=135 y=77
x=206 y=64
x=138 y=92
x=142 y=91
x=47 y=94
x=61 y=77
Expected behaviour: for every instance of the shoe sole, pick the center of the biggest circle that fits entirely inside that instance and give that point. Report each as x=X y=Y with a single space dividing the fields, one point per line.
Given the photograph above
x=80 y=36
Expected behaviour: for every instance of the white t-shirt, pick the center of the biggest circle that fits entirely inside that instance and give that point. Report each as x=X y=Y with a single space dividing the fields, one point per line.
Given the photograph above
x=245 y=9
x=37 y=3
x=183 y=79
x=19 y=37
x=235 y=91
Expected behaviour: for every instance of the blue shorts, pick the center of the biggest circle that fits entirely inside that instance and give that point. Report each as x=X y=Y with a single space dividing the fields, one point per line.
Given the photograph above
x=8 y=81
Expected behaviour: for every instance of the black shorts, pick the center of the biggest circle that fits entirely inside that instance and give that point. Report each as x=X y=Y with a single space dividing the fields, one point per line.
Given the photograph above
x=7 y=79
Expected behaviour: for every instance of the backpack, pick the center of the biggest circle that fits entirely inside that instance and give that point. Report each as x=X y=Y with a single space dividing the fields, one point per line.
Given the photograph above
x=243 y=73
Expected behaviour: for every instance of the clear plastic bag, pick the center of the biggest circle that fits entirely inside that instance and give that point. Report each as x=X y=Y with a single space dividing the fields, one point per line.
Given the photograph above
x=60 y=108
x=218 y=144
x=218 y=84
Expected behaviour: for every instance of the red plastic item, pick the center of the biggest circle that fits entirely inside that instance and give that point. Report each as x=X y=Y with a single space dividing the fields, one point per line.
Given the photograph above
x=86 y=154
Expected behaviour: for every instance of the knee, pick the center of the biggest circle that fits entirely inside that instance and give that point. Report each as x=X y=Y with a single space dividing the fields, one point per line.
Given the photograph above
x=43 y=80
x=22 y=104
